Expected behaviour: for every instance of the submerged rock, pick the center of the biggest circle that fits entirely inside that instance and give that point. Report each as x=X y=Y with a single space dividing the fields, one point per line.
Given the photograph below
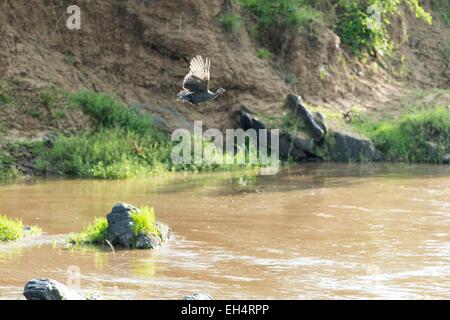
x=198 y=296
x=48 y=289
x=164 y=231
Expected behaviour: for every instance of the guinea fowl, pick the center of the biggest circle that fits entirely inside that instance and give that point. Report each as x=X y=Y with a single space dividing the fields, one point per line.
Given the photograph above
x=196 y=83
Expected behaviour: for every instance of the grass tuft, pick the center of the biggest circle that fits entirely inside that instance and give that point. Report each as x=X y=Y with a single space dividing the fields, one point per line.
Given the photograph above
x=11 y=230
x=95 y=233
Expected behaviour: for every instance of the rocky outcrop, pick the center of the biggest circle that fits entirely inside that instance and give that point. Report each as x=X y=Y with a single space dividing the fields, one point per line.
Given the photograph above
x=121 y=230
x=198 y=296
x=317 y=130
x=48 y=289
x=316 y=141
x=349 y=147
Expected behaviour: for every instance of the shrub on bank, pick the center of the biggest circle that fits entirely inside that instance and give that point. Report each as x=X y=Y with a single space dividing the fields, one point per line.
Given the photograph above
x=419 y=136
x=11 y=230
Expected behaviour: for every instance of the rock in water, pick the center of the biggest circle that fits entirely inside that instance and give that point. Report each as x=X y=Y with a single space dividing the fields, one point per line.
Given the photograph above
x=164 y=231
x=147 y=241
x=120 y=225
x=48 y=289
x=198 y=296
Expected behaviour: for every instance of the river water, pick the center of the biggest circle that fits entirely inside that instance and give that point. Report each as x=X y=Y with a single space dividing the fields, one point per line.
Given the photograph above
x=311 y=232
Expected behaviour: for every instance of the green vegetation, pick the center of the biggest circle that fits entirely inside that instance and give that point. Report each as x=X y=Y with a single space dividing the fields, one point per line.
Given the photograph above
x=418 y=136
x=281 y=14
x=96 y=233
x=231 y=22
x=264 y=54
x=144 y=221
x=106 y=154
x=11 y=230
x=442 y=8
x=7 y=167
x=124 y=145
x=362 y=25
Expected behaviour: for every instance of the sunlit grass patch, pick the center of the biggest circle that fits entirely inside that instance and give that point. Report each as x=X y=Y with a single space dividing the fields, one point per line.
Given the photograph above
x=95 y=233
x=11 y=229
x=144 y=221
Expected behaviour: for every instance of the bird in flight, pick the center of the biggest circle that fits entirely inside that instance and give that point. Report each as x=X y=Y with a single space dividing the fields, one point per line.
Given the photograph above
x=196 y=83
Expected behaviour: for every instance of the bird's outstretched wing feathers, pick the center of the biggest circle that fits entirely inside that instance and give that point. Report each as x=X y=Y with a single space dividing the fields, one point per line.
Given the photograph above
x=197 y=79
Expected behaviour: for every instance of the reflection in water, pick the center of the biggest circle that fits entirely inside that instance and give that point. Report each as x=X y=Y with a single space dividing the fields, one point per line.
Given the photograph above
x=314 y=231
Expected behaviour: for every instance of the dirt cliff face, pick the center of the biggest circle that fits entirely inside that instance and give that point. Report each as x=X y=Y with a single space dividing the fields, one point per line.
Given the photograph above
x=140 y=51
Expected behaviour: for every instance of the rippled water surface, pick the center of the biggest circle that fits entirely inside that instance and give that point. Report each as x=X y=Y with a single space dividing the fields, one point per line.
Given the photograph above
x=314 y=231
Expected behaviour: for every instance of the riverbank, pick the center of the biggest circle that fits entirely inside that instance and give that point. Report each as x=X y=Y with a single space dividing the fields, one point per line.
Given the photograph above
x=119 y=142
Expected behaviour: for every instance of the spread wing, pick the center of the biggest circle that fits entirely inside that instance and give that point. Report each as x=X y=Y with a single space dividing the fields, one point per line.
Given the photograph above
x=197 y=80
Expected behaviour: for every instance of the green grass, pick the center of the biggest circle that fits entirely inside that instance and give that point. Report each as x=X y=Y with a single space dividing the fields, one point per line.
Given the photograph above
x=110 y=113
x=144 y=222
x=107 y=154
x=231 y=22
x=11 y=230
x=8 y=170
x=264 y=54
x=406 y=139
x=96 y=233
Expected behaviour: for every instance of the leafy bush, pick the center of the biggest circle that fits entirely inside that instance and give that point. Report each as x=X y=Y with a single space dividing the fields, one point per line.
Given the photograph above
x=359 y=29
x=408 y=138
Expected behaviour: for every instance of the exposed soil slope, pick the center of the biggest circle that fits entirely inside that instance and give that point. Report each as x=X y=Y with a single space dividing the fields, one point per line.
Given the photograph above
x=140 y=50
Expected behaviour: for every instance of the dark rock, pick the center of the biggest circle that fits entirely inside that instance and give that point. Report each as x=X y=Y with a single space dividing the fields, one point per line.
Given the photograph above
x=433 y=151
x=246 y=121
x=48 y=289
x=147 y=241
x=120 y=225
x=296 y=105
x=350 y=147
x=446 y=159
x=164 y=231
x=289 y=148
x=198 y=296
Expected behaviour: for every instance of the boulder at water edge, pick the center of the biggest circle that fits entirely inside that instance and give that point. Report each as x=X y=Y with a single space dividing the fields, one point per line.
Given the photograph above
x=48 y=289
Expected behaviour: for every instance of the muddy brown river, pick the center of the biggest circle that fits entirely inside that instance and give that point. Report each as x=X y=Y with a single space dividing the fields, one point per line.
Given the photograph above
x=311 y=232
